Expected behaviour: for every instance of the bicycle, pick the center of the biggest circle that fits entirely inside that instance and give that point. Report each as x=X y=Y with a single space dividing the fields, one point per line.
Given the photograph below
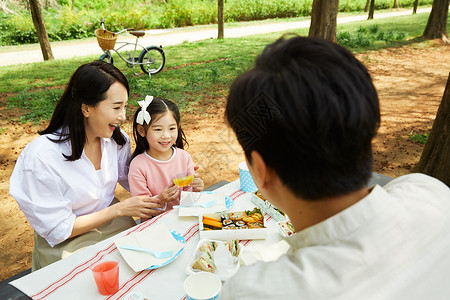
x=151 y=59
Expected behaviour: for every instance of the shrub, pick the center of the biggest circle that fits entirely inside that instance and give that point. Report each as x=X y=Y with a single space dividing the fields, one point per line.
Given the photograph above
x=366 y=36
x=420 y=138
x=18 y=30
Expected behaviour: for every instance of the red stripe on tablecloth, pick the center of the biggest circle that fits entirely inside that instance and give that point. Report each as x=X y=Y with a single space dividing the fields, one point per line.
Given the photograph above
x=140 y=276
x=237 y=194
x=77 y=270
x=85 y=266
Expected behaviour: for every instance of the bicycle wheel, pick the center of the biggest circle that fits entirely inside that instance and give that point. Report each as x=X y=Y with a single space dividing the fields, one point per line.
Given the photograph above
x=152 y=60
x=107 y=58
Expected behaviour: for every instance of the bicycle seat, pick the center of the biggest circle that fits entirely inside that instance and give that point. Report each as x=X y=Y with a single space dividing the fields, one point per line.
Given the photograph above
x=137 y=33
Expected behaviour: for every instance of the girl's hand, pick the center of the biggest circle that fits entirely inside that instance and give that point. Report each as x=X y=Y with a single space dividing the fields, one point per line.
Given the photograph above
x=139 y=206
x=197 y=184
x=169 y=194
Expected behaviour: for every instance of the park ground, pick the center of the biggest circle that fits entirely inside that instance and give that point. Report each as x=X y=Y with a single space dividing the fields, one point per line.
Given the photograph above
x=410 y=81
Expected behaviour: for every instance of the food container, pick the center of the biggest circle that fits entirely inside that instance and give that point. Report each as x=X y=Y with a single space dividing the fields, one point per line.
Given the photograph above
x=223 y=270
x=232 y=232
x=267 y=208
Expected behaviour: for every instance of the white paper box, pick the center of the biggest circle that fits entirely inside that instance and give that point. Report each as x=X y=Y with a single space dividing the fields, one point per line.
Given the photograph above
x=235 y=234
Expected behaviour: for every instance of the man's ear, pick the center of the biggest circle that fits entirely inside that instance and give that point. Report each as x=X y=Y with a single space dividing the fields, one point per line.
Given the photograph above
x=85 y=110
x=141 y=130
x=260 y=171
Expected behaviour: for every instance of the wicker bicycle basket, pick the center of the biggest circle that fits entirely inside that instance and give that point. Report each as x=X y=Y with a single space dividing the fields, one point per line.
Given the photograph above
x=106 y=39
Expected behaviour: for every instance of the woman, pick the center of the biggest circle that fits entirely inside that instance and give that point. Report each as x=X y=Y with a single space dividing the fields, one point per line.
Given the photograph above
x=64 y=181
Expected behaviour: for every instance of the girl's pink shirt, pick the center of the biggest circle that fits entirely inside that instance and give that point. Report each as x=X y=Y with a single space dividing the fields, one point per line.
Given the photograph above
x=149 y=176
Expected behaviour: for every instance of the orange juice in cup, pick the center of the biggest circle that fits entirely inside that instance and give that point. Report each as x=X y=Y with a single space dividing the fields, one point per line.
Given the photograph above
x=183 y=181
x=106 y=275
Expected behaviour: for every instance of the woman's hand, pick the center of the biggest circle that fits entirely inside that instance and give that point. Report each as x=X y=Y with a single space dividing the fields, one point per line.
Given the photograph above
x=139 y=206
x=169 y=194
x=197 y=184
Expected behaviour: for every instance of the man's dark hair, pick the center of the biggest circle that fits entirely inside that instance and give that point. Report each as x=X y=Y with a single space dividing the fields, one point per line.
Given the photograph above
x=310 y=109
x=88 y=85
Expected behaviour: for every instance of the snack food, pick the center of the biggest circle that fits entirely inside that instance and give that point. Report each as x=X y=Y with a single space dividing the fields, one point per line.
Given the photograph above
x=223 y=261
x=286 y=228
x=204 y=262
x=211 y=223
x=258 y=193
x=237 y=216
x=233 y=247
x=255 y=225
x=209 y=247
x=234 y=220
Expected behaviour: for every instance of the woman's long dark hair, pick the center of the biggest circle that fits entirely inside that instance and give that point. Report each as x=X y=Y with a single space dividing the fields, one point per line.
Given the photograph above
x=88 y=85
x=157 y=107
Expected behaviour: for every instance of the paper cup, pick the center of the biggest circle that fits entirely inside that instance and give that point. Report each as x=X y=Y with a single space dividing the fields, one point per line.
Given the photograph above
x=245 y=178
x=202 y=286
x=106 y=275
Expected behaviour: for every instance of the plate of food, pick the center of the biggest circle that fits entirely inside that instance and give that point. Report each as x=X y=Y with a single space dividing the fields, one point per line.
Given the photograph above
x=238 y=225
x=218 y=257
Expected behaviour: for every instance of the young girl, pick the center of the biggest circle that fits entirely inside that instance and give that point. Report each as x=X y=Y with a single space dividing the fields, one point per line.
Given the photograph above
x=159 y=156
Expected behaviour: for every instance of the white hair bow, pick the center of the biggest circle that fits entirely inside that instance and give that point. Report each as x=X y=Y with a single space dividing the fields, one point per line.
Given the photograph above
x=144 y=115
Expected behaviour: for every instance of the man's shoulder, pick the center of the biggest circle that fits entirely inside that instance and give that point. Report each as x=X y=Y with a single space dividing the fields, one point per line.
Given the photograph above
x=418 y=186
x=416 y=180
x=265 y=280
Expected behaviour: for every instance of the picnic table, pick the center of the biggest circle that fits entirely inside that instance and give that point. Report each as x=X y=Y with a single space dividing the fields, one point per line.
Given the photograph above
x=71 y=277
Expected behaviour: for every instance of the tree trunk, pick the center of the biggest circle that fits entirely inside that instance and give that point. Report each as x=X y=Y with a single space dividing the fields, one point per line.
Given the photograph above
x=416 y=2
x=437 y=21
x=220 y=21
x=38 y=20
x=371 y=10
x=395 y=5
x=434 y=160
x=366 y=8
x=323 y=19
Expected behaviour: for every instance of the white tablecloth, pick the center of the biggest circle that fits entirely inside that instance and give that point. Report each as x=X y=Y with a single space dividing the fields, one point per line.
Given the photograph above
x=71 y=277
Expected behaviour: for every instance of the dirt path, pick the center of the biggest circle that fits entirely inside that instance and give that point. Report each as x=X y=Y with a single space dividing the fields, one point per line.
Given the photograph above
x=410 y=81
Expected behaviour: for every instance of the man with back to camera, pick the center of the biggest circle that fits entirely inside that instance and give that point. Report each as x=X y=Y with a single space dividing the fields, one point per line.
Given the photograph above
x=305 y=115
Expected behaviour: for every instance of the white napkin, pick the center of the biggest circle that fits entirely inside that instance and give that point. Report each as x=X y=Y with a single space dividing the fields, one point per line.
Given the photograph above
x=157 y=238
x=193 y=197
x=266 y=254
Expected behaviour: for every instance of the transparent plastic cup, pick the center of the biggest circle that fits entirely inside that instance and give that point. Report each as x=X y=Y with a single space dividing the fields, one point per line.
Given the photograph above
x=106 y=275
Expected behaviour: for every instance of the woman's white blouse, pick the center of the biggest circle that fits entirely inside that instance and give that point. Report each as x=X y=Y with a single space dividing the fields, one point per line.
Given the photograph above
x=52 y=191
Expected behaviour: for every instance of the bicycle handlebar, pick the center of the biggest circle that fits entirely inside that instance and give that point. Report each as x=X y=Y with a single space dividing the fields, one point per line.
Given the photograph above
x=102 y=23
